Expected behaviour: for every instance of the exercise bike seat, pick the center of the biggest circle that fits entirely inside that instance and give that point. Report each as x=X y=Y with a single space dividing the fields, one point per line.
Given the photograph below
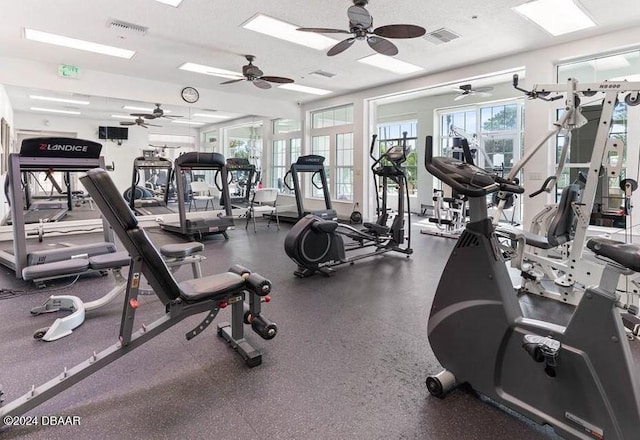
x=376 y=228
x=327 y=226
x=625 y=254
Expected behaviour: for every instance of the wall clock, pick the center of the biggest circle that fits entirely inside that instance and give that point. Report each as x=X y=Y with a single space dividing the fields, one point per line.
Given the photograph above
x=190 y=95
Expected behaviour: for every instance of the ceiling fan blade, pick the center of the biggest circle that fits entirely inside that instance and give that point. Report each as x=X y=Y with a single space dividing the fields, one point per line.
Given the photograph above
x=127 y=123
x=261 y=84
x=233 y=81
x=324 y=30
x=459 y=97
x=152 y=125
x=172 y=116
x=359 y=15
x=382 y=46
x=276 y=79
x=400 y=31
x=482 y=89
x=144 y=115
x=482 y=94
x=341 y=46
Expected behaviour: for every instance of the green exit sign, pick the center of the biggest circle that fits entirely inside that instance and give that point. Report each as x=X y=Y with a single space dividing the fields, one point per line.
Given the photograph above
x=68 y=71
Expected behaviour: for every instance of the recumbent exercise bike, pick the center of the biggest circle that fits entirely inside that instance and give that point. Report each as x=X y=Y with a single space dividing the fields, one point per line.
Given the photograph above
x=317 y=245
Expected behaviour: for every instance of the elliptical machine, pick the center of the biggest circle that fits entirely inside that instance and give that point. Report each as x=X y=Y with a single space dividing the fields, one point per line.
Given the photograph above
x=576 y=374
x=317 y=245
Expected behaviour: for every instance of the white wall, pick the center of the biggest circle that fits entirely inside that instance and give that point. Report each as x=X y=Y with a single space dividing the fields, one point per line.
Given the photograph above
x=6 y=112
x=121 y=155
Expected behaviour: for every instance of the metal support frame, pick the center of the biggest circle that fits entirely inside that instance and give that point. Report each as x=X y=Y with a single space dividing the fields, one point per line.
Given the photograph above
x=573 y=267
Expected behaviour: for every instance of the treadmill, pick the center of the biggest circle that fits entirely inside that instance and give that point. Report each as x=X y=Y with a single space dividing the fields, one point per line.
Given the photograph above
x=313 y=164
x=209 y=223
x=149 y=166
x=37 y=212
x=243 y=172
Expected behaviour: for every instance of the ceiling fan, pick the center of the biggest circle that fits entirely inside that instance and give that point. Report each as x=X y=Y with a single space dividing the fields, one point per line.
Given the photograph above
x=360 y=25
x=139 y=121
x=254 y=75
x=157 y=113
x=466 y=90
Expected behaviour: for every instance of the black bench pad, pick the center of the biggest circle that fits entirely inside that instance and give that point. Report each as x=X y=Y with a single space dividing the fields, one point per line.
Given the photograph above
x=181 y=250
x=109 y=261
x=625 y=254
x=54 y=269
x=211 y=287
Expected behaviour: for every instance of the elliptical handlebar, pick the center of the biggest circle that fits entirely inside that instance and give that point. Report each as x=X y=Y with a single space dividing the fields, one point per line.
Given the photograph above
x=284 y=180
x=465 y=178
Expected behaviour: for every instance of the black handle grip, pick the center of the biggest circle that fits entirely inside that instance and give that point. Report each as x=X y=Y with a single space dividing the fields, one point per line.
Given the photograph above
x=373 y=144
x=545 y=186
x=284 y=180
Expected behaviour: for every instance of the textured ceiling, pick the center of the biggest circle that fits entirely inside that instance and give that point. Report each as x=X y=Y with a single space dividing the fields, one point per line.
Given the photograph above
x=209 y=32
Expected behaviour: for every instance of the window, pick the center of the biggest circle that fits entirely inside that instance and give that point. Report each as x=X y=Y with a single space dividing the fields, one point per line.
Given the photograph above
x=332 y=117
x=494 y=132
x=321 y=146
x=286 y=149
x=344 y=167
x=332 y=138
x=392 y=134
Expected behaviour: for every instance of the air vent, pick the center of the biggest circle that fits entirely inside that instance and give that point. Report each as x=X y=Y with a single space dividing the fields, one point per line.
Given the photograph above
x=440 y=36
x=323 y=73
x=120 y=25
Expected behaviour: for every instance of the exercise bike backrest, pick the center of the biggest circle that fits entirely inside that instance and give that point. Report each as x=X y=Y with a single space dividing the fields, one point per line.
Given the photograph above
x=465 y=178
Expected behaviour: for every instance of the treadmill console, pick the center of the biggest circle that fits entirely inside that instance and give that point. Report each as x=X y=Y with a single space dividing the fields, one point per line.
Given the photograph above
x=71 y=148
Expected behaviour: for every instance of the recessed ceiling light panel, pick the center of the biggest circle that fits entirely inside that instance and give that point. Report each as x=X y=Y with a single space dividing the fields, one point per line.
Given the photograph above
x=74 y=43
x=304 y=89
x=187 y=122
x=557 y=17
x=208 y=70
x=391 y=64
x=288 y=32
x=63 y=100
x=174 y=3
x=54 y=110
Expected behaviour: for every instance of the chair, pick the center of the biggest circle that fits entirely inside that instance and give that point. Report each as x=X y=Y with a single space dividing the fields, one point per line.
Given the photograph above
x=201 y=191
x=263 y=202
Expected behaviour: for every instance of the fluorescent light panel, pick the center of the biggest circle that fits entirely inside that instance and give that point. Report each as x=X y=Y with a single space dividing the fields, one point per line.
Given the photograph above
x=304 y=89
x=63 y=100
x=208 y=115
x=557 y=17
x=391 y=64
x=174 y=3
x=123 y=117
x=208 y=70
x=53 y=110
x=188 y=122
x=288 y=32
x=74 y=43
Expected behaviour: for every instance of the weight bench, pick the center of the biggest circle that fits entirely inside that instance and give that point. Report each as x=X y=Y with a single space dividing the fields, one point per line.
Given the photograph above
x=175 y=255
x=243 y=290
